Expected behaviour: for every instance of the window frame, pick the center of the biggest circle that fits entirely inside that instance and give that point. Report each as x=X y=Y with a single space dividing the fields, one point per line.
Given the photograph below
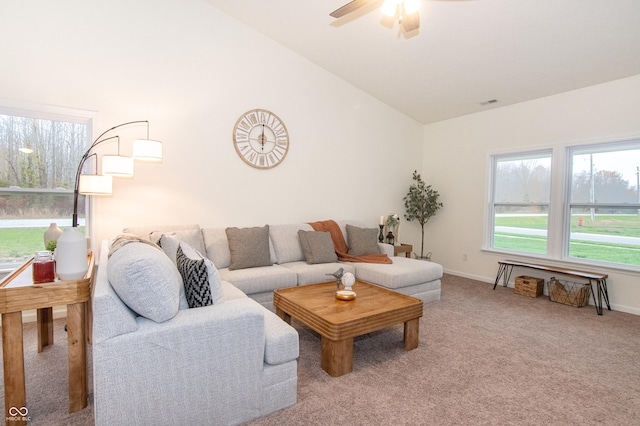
x=597 y=147
x=493 y=162
x=560 y=203
x=54 y=113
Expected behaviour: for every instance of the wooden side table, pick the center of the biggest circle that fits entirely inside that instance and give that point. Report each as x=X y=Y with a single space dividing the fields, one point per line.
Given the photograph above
x=17 y=294
x=403 y=248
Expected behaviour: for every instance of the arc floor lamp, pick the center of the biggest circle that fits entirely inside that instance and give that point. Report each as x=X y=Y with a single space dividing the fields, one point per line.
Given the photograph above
x=112 y=165
x=71 y=250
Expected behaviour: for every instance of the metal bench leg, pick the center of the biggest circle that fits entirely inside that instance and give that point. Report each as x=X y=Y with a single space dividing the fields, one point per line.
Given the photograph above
x=597 y=302
x=505 y=273
x=501 y=268
x=602 y=284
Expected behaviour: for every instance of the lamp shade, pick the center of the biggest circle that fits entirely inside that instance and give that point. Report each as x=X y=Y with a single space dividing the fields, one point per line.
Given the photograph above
x=147 y=150
x=117 y=165
x=95 y=185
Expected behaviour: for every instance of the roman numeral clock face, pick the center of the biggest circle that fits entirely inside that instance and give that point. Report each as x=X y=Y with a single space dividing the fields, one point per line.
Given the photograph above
x=261 y=139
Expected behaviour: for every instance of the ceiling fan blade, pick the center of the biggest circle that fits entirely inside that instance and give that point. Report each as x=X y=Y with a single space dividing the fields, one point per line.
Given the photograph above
x=348 y=8
x=411 y=22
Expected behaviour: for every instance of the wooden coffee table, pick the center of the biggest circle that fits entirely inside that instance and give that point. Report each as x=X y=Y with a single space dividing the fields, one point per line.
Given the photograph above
x=338 y=322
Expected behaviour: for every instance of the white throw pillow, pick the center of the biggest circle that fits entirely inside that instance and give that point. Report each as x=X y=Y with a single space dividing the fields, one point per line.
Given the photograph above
x=193 y=237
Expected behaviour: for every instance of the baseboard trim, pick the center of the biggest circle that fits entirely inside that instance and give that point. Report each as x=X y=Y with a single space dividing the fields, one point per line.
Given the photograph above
x=627 y=309
x=470 y=276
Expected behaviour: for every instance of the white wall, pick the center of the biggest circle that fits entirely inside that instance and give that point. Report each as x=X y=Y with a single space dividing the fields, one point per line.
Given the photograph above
x=455 y=163
x=192 y=71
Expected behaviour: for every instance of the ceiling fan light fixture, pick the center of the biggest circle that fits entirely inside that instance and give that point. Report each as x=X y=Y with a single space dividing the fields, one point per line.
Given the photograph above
x=411 y=6
x=389 y=7
x=405 y=11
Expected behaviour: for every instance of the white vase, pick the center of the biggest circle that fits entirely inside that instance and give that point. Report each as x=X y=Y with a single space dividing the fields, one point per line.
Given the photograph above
x=71 y=255
x=52 y=233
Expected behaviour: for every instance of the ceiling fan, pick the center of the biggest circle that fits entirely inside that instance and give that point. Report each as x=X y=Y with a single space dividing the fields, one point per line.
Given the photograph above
x=407 y=11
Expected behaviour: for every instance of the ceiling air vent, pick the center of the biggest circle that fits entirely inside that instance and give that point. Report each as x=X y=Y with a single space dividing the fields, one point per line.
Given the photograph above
x=489 y=102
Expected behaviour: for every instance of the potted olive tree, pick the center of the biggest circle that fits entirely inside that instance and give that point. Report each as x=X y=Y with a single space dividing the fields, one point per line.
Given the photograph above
x=421 y=203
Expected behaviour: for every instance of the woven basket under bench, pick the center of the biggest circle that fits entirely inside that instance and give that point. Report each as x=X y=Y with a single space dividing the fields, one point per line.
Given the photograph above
x=529 y=286
x=569 y=293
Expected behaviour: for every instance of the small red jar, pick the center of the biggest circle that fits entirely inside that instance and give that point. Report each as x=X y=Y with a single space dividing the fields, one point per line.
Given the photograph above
x=44 y=267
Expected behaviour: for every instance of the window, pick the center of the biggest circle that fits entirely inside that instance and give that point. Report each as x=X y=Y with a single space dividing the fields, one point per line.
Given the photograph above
x=596 y=215
x=604 y=208
x=38 y=161
x=520 y=201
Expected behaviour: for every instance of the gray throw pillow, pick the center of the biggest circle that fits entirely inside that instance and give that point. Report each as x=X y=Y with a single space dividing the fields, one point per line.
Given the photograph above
x=317 y=247
x=362 y=241
x=201 y=279
x=249 y=247
x=146 y=280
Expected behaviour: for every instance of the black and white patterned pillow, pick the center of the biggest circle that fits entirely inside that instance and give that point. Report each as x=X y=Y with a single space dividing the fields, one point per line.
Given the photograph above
x=200 y=277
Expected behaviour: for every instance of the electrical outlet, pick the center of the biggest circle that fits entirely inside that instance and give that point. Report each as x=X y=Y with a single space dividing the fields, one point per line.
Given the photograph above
x=464 y=257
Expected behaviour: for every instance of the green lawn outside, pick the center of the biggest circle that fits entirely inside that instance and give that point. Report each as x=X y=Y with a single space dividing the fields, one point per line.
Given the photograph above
x=624 y=225
x=19 y=244
x=625 y=254
x=529 y=243
x=619 y=225
x=531 y=222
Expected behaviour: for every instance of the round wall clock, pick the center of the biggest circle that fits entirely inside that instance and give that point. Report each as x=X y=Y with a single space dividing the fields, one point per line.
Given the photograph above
x=261 y=139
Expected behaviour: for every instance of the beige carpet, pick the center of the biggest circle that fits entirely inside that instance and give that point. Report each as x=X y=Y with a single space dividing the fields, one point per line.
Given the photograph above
x=485 y=358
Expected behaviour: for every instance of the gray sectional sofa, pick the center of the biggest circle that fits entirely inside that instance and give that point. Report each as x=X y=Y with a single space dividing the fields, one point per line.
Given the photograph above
x=155 y=361
x=415 y=278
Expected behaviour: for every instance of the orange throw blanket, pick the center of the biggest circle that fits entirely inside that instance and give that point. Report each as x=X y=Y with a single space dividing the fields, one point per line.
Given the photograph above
x=340 y=246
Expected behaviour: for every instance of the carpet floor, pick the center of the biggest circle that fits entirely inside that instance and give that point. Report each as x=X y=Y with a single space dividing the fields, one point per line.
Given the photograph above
x=485 y=358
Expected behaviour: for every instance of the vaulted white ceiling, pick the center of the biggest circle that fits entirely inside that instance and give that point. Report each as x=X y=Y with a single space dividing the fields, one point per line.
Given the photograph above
x=466 y=52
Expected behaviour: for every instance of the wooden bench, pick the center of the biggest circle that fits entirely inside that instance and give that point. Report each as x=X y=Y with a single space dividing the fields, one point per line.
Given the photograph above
x=505 y=268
